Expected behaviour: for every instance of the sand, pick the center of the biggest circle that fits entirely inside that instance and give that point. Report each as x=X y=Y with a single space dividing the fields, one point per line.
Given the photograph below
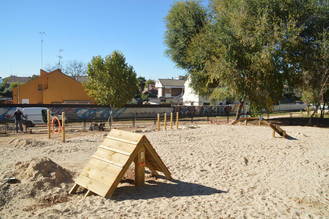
x=219 y=171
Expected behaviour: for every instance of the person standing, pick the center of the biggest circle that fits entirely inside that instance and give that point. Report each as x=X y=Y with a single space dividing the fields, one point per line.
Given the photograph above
x=18 y=120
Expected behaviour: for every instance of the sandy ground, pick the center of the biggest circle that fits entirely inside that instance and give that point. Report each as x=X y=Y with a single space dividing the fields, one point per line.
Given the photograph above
x=219 y=171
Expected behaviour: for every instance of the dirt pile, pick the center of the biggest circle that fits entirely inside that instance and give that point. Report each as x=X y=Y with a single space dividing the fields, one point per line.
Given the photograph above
x=42 y=170
x=39 y=181
x=24 y=143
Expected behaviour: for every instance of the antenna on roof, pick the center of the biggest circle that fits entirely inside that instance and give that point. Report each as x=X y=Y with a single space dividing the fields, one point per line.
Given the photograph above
x=60 y=57
x=42 y=34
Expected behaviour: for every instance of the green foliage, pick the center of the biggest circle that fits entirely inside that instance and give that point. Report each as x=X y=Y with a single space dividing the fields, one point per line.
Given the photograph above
x=149 y=82
x=111 y=81
x=141 y=82
x=246 y=49
x=184 y=21
x=6 y=90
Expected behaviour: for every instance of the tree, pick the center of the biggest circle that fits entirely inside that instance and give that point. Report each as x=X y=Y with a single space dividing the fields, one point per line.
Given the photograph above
x=184 y=21
x=75 y=69
x=243 y=49
x=233 y=55
x=111 y=81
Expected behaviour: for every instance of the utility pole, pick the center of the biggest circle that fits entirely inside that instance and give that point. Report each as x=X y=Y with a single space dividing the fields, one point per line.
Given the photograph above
x=42 y=34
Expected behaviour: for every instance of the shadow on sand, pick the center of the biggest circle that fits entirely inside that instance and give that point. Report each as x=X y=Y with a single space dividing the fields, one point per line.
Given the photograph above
x=155 y=189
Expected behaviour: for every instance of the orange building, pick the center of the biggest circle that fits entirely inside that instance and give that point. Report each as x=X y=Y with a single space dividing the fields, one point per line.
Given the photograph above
x=51 y=87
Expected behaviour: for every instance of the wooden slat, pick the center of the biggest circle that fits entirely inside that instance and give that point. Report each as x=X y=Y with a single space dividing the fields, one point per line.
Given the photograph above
x=122 y=140
x=96 y=186
x=112 y=156
x=107 y=161
x=123 y=171
x=114 y=150
x=126 y=147
x=163 y=167
x=129 y=136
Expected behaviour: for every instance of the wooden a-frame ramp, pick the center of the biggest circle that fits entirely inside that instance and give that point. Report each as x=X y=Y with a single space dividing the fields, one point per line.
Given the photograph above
x=112 y=159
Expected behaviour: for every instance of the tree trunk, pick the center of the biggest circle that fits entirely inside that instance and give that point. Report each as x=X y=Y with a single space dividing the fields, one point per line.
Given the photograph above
x=238 y=112
x=322 y=110
x=315 y=111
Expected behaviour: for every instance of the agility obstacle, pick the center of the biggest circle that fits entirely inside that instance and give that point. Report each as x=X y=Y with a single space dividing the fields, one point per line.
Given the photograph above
x=276 y=128
x=108 y=165
x=52 y=129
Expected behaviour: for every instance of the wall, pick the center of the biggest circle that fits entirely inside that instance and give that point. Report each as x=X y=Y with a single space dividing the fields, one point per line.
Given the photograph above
x=63 y=88
x=30 y=91
x=53 y=87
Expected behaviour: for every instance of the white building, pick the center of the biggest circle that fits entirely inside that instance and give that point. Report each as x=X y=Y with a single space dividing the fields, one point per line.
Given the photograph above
x=170 y=90
x=191 y=98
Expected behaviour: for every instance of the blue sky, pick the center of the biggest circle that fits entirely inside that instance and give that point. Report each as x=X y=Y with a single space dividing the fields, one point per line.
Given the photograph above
x=83 y=29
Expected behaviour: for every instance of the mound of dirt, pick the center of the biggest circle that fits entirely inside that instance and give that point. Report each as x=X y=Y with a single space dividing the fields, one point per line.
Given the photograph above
x=23 y=143
x=37 y=179
x=42 y=170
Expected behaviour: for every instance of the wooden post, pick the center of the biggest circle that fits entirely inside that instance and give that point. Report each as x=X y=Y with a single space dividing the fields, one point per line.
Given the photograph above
x=140 y=167
x=158 y=121
x=177 y=119
x=48 y=122
x=290 y=115
x=245 y=122
x=171 y=115
x=273 y=134
x=84 y=125
x=165 y=121
x=63 y=126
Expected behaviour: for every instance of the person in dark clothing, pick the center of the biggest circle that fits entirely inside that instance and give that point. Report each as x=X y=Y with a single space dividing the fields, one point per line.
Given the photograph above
x=18 y=120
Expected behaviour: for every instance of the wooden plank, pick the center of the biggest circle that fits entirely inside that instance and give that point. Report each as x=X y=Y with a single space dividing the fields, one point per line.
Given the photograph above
x=87 y=193
x=126 y=147
x=128 y=136
x=157 y=158
x=107 y=161
x=96 y=186
x=122 y=140
x=112 y=156
x=114 y=150
x=140 y=167
x=74 y=189
x=121 y=174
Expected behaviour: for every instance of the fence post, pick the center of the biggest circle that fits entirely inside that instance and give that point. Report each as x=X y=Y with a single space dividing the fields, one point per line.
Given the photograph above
x=134 y=120
x=48 y=122
x=177 y=119
x=165 y=121
x=158 y=121
x=63 y=126
x=171 y=115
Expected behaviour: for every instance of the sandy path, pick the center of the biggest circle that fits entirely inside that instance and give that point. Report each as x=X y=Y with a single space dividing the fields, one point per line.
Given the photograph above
x=219 y=171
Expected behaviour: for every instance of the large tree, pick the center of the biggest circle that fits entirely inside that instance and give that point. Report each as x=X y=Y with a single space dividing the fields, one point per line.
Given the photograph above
x=243 y=49
x=111 y=81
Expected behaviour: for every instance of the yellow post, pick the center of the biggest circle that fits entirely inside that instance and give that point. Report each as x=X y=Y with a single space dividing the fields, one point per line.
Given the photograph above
x=63 y=126
x=158 y=121
x=48 y=122
x=165 y=121
x=171 y=115
x=177 y=119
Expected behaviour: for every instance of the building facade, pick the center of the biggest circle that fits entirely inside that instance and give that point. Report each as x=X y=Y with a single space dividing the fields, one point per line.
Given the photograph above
x=50 y=88
x=170 y=90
